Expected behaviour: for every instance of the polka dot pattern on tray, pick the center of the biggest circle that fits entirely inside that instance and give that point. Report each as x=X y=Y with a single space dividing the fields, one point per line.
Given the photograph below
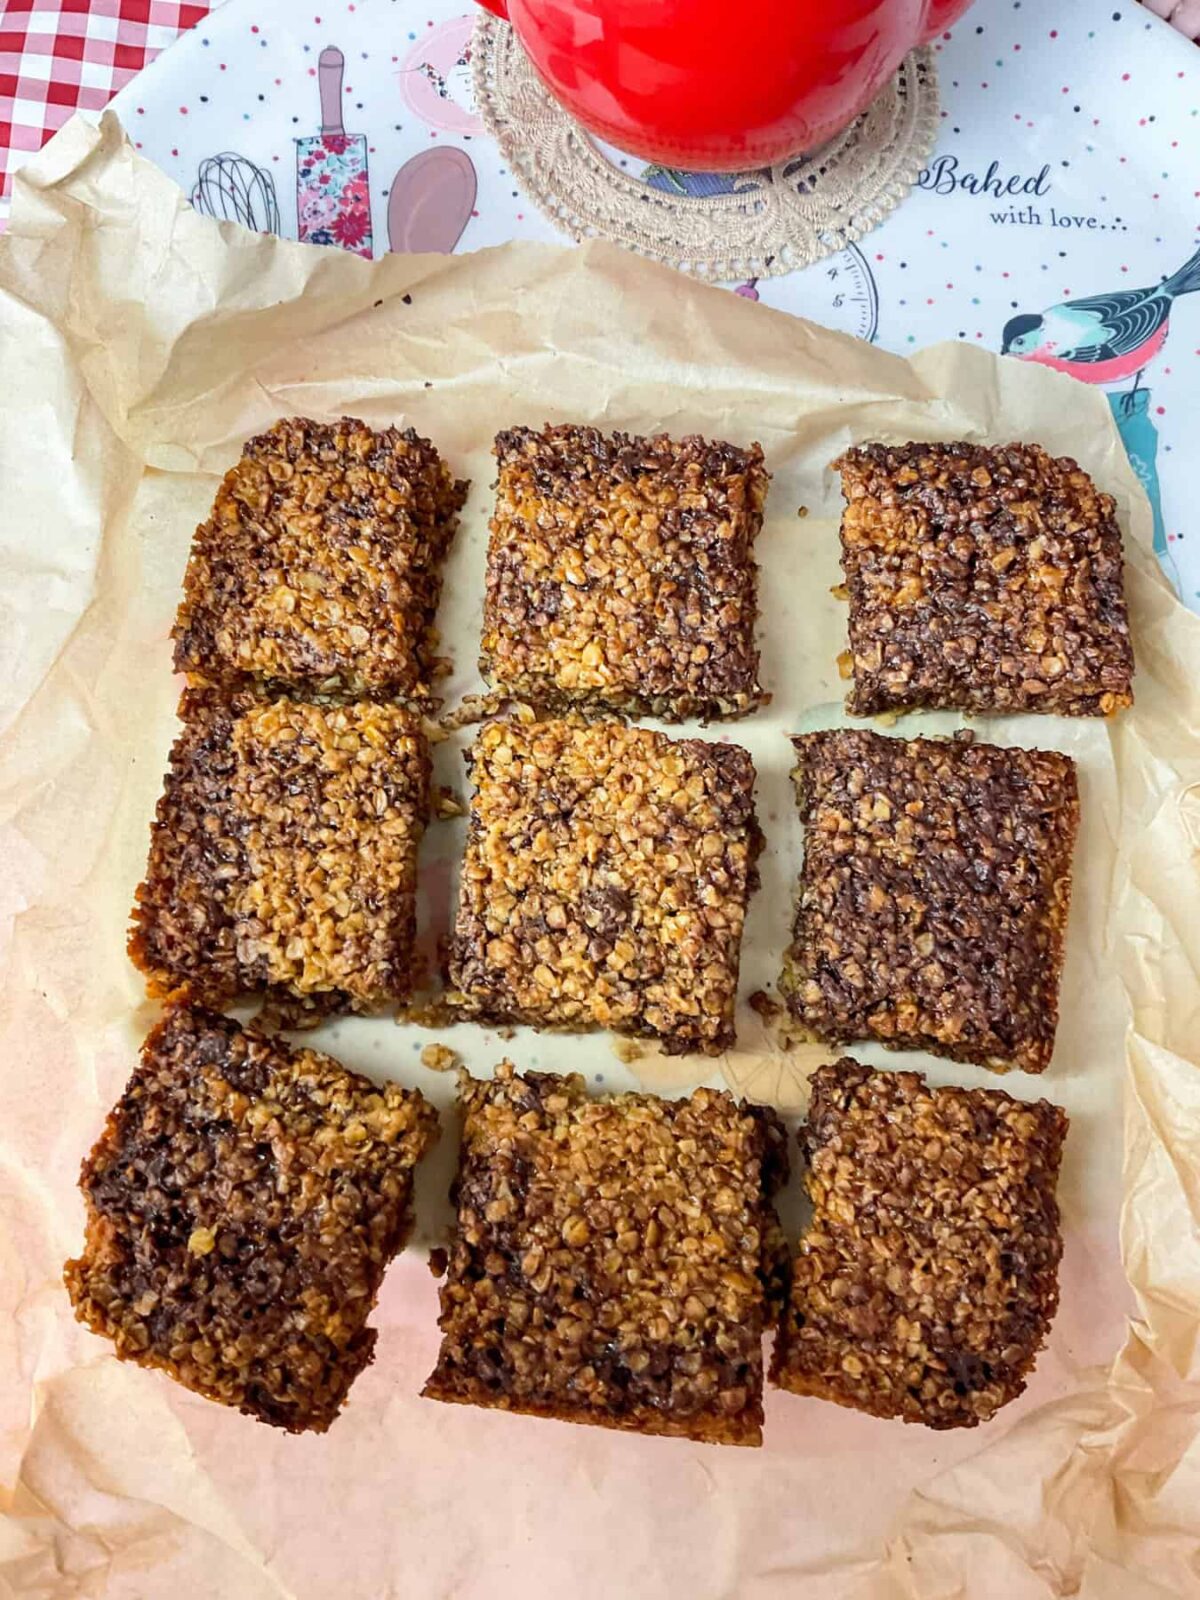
x=1058 y=217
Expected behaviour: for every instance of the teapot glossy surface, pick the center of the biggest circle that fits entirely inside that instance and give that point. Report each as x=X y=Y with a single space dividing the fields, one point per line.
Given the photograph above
x=709 y=86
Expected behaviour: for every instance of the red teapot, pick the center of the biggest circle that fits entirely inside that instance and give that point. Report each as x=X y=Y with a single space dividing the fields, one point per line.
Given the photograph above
x=709 y=87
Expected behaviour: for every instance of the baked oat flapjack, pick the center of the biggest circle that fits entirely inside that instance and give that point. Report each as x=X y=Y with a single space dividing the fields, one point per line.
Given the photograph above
x=933 y=897
x=613 y=1259
x=319 y=569
x=621 y=573
x=283 y=856
x=605 y=882
x=984 y=579
x=928 y=1277
x=243 y=1203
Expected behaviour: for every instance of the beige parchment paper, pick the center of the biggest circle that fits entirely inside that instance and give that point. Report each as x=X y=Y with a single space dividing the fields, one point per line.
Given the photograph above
x=139 y=345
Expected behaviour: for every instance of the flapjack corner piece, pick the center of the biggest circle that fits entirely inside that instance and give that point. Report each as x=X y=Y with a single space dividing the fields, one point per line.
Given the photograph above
x=928 y=1277
x=283 y=856
x=319 y=569
x=615 y=1258
x=934 y=894
x=605 y=882
x=621 y=573
x=243 y=1203
x=983 y=579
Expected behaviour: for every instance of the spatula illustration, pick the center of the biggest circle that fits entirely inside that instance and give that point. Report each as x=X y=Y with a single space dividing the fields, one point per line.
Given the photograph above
x=333 y=197
x=431 y=201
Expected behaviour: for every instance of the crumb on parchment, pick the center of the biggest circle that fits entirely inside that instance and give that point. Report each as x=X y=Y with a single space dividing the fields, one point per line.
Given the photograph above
x=439 y=1058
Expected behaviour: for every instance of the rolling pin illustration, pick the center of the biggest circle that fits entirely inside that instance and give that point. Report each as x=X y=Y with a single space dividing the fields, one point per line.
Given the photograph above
x=431 y=201
x=333 y=198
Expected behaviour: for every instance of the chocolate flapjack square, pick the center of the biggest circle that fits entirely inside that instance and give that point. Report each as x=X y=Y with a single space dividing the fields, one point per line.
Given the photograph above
x=243 y=1203
x=283 y=855
x=605 y=882
x=621 y=573
x=934 y=893
x=319 y=568
x=984 y=579
x=927 y=1279
x=613 y=1259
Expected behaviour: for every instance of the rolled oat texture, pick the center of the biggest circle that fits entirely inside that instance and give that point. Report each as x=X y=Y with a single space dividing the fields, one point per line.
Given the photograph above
x=933 y=897
x=615 y=1258
x=621 y=573
x=283 y=856
x=927 y=1280
x=984 y=579
x=605 y=882
x=319 y=569
x=243 y=1202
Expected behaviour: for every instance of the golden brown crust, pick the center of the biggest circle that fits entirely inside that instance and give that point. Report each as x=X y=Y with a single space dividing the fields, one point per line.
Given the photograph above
x=283 y=855
x=320 y=566
x=243 y=1202
x=934 y=895
x=985 y=579
x=605 y=882
x=613 y=1258
x=621 y=573
x=181 y=929
x=928 y=1277
x=738 y=1430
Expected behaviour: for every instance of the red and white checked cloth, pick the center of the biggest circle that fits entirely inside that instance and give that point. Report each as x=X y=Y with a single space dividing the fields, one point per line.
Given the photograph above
x=62 y=56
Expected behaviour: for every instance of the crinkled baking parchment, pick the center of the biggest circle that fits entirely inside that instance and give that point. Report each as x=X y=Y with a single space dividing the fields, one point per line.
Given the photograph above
x=139 y=345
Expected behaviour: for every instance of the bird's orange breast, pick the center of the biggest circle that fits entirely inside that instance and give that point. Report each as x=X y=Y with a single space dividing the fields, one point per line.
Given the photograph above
x=1114 y=371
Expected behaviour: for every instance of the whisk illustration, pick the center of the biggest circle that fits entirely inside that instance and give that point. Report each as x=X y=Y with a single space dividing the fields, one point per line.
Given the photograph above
x=232 y=189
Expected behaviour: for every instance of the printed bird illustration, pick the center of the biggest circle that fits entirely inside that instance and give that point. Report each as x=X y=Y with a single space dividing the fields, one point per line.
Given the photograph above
x=1102 y=338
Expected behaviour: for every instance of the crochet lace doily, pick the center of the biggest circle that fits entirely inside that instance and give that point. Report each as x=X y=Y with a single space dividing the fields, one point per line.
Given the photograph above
x=756 y=224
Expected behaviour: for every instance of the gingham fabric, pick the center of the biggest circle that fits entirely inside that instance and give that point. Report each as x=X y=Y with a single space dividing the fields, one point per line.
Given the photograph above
x=62 y=56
